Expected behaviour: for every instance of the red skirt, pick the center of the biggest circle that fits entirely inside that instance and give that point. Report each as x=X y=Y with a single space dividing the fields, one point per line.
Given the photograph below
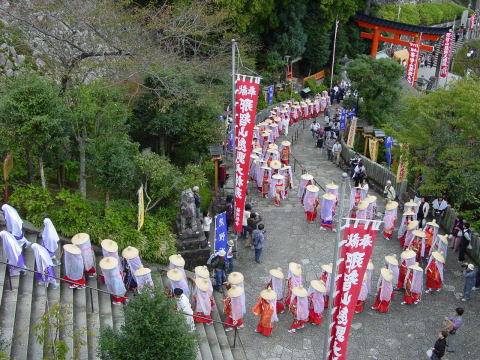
x=311 y=215
x=119 y=299
x=204 y=318
x=401 y=277
x=433 y=284
x=77 y=283
x=231 y=324
x=280 y=307
x=315 y=318
x=359 y=306
x=381 y=305
x=325 y=301
x=91 y=271
x=401 y=239
x=297 y=324
x=264 y=330
x=387 y=235
x=411 y=299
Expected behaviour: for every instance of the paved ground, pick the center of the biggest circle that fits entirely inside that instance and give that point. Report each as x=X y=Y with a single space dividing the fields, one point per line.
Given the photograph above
x=405 y=332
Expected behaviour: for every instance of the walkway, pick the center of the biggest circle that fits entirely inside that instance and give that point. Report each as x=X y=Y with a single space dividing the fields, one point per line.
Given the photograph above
x=405 y=333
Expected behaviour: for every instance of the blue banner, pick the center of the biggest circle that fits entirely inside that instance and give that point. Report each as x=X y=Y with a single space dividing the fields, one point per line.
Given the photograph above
x=351 y=113
x=270 y=92
x=221 y=232
x=388 y=146
x=343 y=120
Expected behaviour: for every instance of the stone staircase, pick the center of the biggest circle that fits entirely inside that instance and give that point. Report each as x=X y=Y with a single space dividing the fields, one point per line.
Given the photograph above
x=22 y=305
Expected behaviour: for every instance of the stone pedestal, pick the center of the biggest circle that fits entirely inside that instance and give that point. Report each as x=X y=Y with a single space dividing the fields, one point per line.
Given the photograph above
x=193 y=246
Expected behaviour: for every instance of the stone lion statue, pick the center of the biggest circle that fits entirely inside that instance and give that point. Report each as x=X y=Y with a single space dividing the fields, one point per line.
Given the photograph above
x=188 y=219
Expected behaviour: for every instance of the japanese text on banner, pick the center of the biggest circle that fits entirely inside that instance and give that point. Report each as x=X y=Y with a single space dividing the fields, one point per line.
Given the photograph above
x=221 y=232
x=356 y=250
x=412 y=63
x=351 y=132
x=246 y=96
x=447 y=46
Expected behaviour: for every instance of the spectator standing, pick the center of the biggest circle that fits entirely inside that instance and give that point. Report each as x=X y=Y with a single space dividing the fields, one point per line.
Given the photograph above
x=337 y=149
x=314 y=127
x=229 y=257
x=452 y=324
x=229 y=210
x=457 y=233
x=438 y=349
x=206 y=223
x=246 y=215
x=465 y=241
x=389 y=192
x=198 y=200
x=219 y=265
x=359 y=173
x=469 y=275
x=439 y=206
x=258 y=241
x=252 y=223
x=422 y=212
x=353 y=163
x=329 y=144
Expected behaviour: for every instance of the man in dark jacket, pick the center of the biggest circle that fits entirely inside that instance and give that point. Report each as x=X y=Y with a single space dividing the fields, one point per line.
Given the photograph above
x=258 y=241
x=219 y=265
x=438 y=349
x=252 y=223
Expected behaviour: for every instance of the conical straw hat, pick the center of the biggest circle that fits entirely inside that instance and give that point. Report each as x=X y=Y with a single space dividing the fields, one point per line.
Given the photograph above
x=370 y=199
x=313 y=188
x=268 y=294
x=108 y=263
x=299 y=291
x=177 y=260
x=331 y=186
x=72 y=249
x=419 y=233
x=202 y=271
x=411 y=203
x=438 y=256
x=277 y=273
x=412 y=225
x=202 y=284
x=327 y=268
x=275 y=164
x=80 y=238
x=306 y=177
x=392 y=259
x=409 y=212
x=286 y=143
x=408 y=254
x=109 y=245
x=295 y=269
x=370 y=265
x=415 y=267
x=391 y=205
x=318 y=285
x=329 y=196
x=142 y=271
x=175 y=275
x=362 y=205
x=235 y=278
x=387 y=274
x=130 y=252
x=235 y=291
x=433 y=223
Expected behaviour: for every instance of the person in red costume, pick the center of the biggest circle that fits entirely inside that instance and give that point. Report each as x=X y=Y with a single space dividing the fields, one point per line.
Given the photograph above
x=310 y=202
x=407 y=258
x=299 y=308
x=362 y=296
x=325 y=277
x=265 y=308
x=434 y=272
x=413 y=285
x=316 y=298
x=384 y=291
x=294 y=279
x=233 y=308
x=276 y=283
x=202 y=303
x=431 y=232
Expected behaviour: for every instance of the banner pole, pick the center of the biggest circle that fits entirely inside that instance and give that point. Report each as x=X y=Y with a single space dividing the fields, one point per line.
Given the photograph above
x=334 y=265
x=234 y=45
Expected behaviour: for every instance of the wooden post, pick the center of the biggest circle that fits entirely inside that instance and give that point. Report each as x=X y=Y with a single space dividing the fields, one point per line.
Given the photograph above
x=215 y=182
x=418 y=40
x=376 y=37
x=367 y=137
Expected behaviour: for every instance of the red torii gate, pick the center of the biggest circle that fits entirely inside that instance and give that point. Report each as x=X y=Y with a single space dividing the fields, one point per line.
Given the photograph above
x=416 y=33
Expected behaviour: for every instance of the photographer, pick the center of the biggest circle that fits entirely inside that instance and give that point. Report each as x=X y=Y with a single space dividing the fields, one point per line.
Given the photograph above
x=439 y=206
x=469 y=275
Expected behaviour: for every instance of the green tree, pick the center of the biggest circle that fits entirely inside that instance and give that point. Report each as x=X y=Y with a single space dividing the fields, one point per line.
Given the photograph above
x=97 y=111
x=378 y=83
x=290 y=38
x=152 y=330
x=32 y=117
x=442 y=130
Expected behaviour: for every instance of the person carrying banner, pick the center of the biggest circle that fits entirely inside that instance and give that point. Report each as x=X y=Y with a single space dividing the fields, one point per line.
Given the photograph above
x=294 y=279
x=233 y=308
x=384 y=291
x=299 y=308
x=276 y=283
x=389 y=219
x=413 y=285
x=434 y=272
x=310 y=202
x=265 y=308
x=316 y=297
x=408 y=258
x=325 y=277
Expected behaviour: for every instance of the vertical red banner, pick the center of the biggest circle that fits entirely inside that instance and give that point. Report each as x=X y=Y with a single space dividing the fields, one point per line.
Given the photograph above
x=246 y=96
x=473 y=18
x=356 y=250
x=447 y=46
x=412 y=63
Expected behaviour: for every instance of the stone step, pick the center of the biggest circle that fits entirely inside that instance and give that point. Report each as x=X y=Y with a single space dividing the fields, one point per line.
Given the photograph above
x=8 y=309
x=104 y=304
x=93 y=319
x=203 y=344
x=66 y=299
x=39 y=295
x=24 y=305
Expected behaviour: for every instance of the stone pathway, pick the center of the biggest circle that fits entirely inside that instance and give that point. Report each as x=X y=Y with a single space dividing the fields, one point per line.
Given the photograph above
x=406 y=332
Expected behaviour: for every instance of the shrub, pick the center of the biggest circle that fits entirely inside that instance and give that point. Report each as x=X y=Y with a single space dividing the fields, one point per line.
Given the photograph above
x=424 y=13
x=287 y=95
x=152 y=330
x=31 y=202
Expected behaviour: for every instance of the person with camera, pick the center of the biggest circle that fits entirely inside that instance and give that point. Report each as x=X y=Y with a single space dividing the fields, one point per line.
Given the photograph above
x=469 y=275
x=439 y=206
x=464 y=241
x=452 y=324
